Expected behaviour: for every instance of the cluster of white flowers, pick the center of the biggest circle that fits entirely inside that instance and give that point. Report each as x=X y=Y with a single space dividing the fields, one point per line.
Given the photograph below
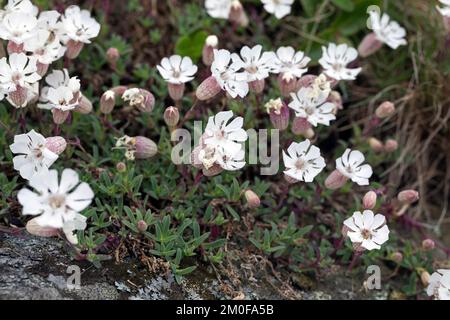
x=439 y=285
x=57 y=207
x=221 y=145
x=35 y=41
x=223 y=9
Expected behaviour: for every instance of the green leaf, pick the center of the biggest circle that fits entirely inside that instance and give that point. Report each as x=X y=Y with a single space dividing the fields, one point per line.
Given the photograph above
x=233 y=213
x=346 y=5
x=191 y=45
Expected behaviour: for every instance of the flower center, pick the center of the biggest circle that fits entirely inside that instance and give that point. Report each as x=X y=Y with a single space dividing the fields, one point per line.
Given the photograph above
x=57 y=201
x=220 y=134
x=252 y=69
x=337 y=67
x=176 y=73
x=309 y=111
x=225 y=76
x=300 y=164
x=16 y=76
x=37 y=152
x=366 y=234
x=349 y=169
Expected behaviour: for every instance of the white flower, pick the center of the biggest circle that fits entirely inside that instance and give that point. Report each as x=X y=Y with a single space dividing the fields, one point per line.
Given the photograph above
x=256 y=65
x=221 y=145
x=46 y=52
x=219 y=9
x=290 y=63
x=367 y=230
x=49 y=20
x=335 y=59
x=445 y=10
x=23 y=6
x=18 y=27
x=19 y=72
x=389 y=32
x=177 y=70
x=226 y=136
x=303 y=161
x=280 y=8
x=56 y=203
x=61 y=98
x=349 y=165
x=439 y=285
x=307 y=104
x=225 y=69
x=78 y=25
x=56 y=80
x=32 y=156
x=69 y=227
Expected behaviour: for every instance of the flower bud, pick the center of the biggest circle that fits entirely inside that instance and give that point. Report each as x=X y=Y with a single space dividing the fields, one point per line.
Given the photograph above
x=300 y=126
x=408 y=196
x=252 y=198
x=257 y=86
x=145 y=148
x=369 y=45
x=279 y=114
x=121 y=167
x=59 y=116
x=84 y=106
x=119 y=90
x=306 y=81
x=425 y=278
x=171 y=116
x=237 y=14
x=73 y=49
x=211 y=43
x=428 y=244
x=390 y=146
x=42 y=68
x=214 y=170
x=56 y=144
x=13 y=47
x=376 y=145
x=335 y=180
x=385 y=110
x=397 y=257
x=142 y=226
x=370 y=200
x=37 y=230
x=208 y=89
x=107 y=102
x=149 y=101
x=112 y=55
x=290 y=179
x=19 y=97
x=176 y=91
x=287 y=83
x=142 y=99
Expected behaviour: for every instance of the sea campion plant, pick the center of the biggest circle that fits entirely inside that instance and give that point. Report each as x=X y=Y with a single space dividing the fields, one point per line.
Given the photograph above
x=101 y=170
